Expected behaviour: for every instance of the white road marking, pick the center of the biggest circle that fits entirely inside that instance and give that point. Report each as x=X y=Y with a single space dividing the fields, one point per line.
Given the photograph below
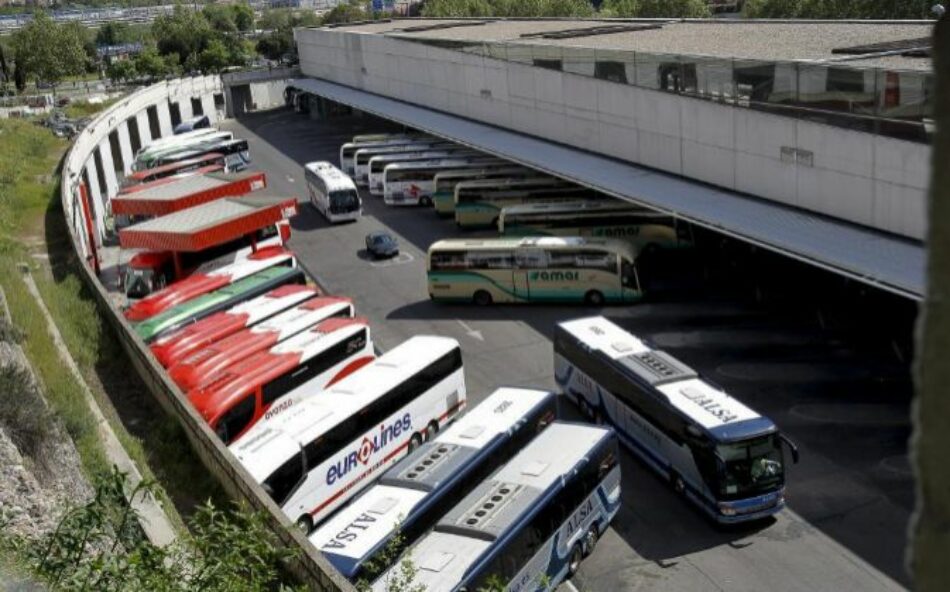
x=471 y=332
x=400 y=259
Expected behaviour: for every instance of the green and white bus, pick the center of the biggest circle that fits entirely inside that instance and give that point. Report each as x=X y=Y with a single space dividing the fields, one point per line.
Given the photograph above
x=645 y=229
x=478 y=204
x=445 y=181
x=533 y=269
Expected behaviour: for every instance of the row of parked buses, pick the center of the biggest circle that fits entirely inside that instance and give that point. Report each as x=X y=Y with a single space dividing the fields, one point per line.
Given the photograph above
x=559 y=241
x=374 y=454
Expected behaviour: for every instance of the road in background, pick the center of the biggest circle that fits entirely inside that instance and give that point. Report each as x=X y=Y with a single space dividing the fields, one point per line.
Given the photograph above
x=835 y=383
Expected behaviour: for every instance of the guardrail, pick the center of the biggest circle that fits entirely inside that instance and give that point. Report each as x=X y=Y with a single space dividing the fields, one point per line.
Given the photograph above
x=309 y=567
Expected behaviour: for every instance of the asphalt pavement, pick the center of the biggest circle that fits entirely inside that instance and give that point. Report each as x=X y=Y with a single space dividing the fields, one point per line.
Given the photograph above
x=839 y=389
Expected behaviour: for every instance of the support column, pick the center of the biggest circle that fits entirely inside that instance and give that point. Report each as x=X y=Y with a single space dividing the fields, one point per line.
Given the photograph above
x=207 y=105
x=145 y=132
x=96 y=198
x=125 y=145
x=108 y=169
x=164 y=119
x=184 y=107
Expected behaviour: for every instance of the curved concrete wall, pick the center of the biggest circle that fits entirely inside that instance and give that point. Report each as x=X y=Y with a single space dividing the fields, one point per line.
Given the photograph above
x=91 y=156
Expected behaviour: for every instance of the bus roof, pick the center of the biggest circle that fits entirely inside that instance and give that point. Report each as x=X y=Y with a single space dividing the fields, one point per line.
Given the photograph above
x=270 y=442
x=465 y=533
x=332 y=176
x=494 y=171
x=543 y=242
x=710 y=408
x=217 y=395
x=178 y=139
x=389 y=159
x=212 y=302
x=199 y=366
x=449 y=161
x=512 y=182
x=581 y=206
x=401 y=489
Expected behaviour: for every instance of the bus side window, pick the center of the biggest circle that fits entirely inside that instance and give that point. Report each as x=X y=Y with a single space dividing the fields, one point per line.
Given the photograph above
x=531 y=259
x=236 y=419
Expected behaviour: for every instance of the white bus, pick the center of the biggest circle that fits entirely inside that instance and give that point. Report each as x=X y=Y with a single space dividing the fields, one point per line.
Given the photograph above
x=443 y=197
x=478 y=204
x=155 y=150
x=332 y=193
x=413 y=183
x=529 y=525
x=348 y=150
x=364 y=153
x=176 y=139
x=414 y=494
x=645 y=229
x=313 y=455
x=377 y=164
x=714 y=450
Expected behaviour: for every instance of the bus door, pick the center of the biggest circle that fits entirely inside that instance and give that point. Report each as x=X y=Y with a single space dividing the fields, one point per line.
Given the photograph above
x=528 y=263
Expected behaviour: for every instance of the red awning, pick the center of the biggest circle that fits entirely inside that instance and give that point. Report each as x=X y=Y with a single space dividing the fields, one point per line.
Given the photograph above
x=186 y=192
x=208 y=225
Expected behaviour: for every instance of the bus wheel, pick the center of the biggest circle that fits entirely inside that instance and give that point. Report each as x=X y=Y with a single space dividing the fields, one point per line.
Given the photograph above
x=305 y=524
x=590 y=539
x=414 y=442
x=432 y=429
x=482 y=298
x=575 y=561
x=425 y=201
x=594 y=298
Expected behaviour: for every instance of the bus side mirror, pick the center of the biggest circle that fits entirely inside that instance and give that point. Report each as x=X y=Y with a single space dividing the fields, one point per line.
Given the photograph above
x=791 y=447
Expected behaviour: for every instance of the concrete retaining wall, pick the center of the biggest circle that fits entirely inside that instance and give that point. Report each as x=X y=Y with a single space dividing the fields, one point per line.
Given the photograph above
x=310 y=566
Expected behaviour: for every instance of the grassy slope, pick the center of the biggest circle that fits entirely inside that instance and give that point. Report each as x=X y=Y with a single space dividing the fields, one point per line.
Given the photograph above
x=32 y=231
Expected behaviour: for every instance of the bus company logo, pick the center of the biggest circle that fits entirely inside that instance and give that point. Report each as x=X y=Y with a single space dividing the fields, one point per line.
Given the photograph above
x=278 y=408
x=579 y=518
x=555 y=276
x=710 y=405
x=368 y=447
x=618 y=231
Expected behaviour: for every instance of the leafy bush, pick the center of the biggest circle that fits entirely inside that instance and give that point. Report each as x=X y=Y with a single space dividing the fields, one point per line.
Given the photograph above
x=838 y=9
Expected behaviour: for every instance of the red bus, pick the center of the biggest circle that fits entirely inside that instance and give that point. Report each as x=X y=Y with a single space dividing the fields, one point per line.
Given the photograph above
x=175 y=346
x=201 y=283
x=203 y=365
x=310 y=361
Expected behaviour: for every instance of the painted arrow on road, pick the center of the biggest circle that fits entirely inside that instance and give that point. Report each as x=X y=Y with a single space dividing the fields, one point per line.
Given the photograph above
x=471 y=332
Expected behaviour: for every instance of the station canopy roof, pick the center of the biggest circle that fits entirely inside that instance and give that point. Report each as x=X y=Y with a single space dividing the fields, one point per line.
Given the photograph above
x=882 y=260
x=208 y=225
x=186 y=192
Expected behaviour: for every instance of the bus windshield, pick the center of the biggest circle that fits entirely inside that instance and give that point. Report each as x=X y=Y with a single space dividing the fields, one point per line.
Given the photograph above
x=284 y=480
x=344 y=200
x=750 y=467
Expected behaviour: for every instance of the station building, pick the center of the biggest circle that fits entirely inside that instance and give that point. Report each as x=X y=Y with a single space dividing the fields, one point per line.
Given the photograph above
x=807 y=138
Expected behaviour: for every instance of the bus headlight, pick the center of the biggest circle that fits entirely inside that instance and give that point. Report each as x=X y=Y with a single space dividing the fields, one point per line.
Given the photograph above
x=726 y=509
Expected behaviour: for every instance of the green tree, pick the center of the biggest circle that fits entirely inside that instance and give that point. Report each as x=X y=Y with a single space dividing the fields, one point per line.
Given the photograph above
x=243 y=17
x=220 y=17
x=99 y=546
x=149 y=64
x=183 y=32
x=213 y=58
x=673 y=9
x=346 y=12
x=620 y=8
x=121 y=71
x=45 y=51
x=449 y=8
x=839 y=9
x=4 y=70
x=113 y=33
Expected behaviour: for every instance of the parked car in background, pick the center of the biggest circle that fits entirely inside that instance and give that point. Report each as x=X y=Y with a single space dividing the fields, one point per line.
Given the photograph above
x=381 y=244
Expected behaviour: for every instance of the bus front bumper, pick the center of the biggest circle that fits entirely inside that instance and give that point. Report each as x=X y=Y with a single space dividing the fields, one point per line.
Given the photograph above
x=753 y=508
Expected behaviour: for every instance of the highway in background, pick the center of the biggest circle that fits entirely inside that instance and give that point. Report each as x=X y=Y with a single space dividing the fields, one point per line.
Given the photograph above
x=842 y=394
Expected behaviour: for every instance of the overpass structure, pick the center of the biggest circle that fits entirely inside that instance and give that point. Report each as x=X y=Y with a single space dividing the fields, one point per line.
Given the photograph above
x=807 y=138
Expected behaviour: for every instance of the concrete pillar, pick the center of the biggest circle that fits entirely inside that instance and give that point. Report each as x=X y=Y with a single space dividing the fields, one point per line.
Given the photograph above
x=95 y=201
x=108 y=166
x=931 y=438
x=125 y=145
x=207 y=105
x=145 y=132
x=184 y=107
x=164 y=119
